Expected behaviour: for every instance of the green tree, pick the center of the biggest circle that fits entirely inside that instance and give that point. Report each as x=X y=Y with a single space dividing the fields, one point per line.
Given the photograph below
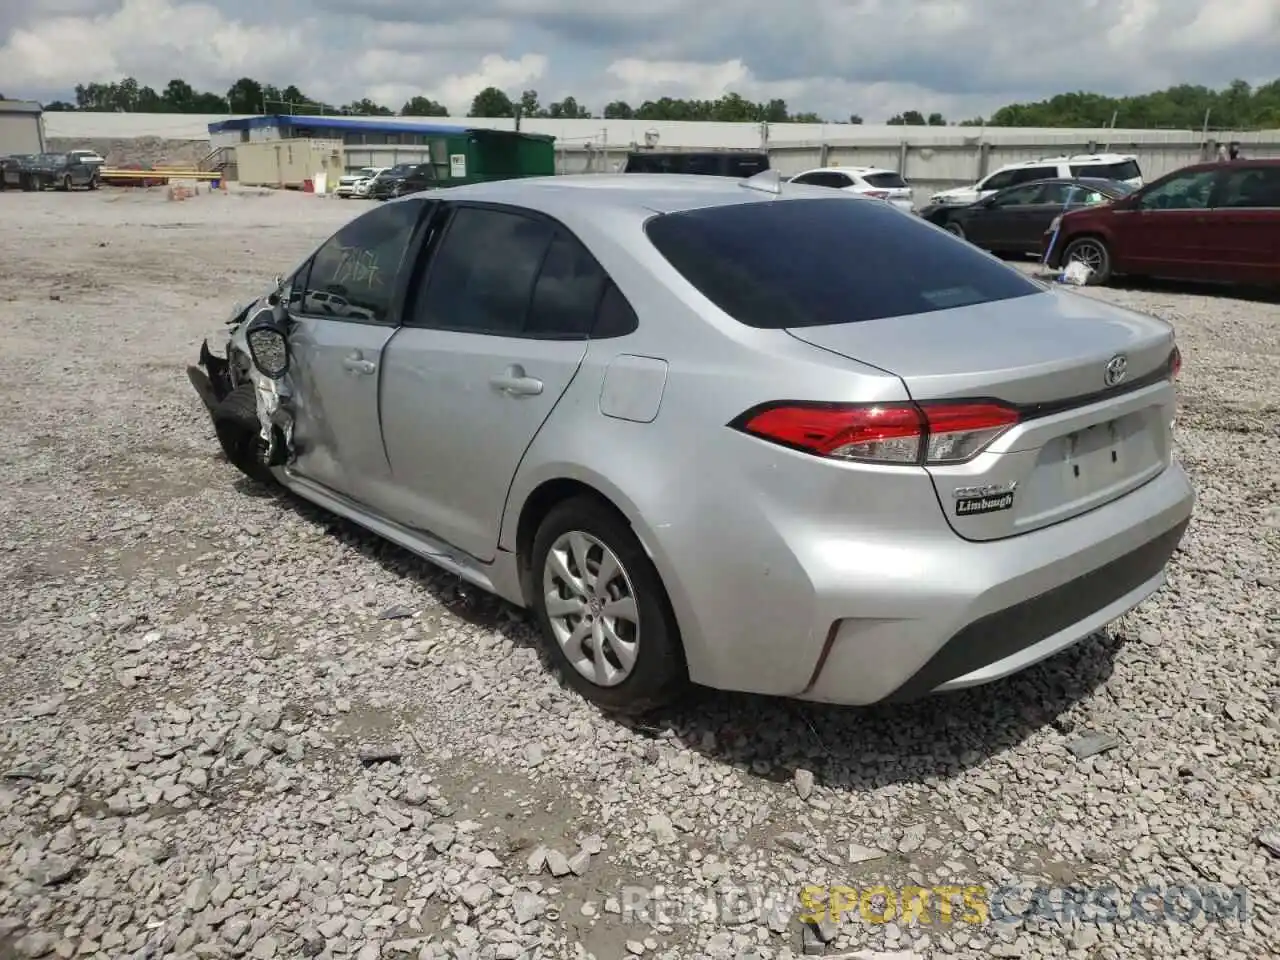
x=366 y=108
x=529 y=105
x=423 y=107
x=855 y=119
x=245 y=96
x=568 y=109
x=937 y=120
x=178 y=96
x=908 y=118
x=491 y=102
x=56 y=106
x=619 y=110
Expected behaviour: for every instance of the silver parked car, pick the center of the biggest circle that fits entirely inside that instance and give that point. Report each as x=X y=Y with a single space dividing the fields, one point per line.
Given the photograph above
x=763 y=437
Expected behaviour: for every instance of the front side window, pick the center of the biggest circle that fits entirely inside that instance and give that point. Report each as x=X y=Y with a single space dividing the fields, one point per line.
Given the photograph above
x=1019 y=196
x=1185 y=191
x=847 y=262
x=353 y=275
x=998 y=181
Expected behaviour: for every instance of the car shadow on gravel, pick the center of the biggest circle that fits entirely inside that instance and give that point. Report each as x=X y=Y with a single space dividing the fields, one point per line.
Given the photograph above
x=847 y=748
x=864 y=748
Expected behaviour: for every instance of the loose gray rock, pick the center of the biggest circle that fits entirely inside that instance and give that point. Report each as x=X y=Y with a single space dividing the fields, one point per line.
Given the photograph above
x=1093 y=744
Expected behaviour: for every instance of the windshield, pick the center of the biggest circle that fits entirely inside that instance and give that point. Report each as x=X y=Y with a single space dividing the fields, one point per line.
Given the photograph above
x=845 y=261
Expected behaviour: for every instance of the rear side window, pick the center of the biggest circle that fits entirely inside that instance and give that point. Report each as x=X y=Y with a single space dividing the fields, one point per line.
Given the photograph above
x=567 y=292
x=482 y=277
x=846 y=261
x=886 y=181
x=1122 y=170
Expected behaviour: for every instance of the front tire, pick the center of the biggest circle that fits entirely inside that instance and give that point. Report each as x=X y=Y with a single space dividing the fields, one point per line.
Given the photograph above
x=1093 y=253
x=66 y=183
x=235 y=421
x=603 y=611
x=956 y=229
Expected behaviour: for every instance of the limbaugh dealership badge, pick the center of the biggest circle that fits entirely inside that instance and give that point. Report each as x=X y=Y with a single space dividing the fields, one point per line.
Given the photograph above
x=991 y=498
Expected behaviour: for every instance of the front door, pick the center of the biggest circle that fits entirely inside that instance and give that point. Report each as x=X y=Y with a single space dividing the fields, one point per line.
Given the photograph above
x=495 y=329
x=1164 y=229
x=343 y=313
x=1001 y=220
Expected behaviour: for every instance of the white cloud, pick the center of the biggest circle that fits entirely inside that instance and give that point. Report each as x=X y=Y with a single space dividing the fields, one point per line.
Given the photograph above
x=835 y=57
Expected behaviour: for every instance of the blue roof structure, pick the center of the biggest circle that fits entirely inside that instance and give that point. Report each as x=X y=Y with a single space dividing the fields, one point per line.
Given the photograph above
x=374 y=124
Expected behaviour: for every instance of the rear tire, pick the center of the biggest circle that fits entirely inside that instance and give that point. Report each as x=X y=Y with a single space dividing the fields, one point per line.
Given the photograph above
x=1094 y=253
x=66 y=183
x=956 y=229
x=235 y=421
x=629 y=661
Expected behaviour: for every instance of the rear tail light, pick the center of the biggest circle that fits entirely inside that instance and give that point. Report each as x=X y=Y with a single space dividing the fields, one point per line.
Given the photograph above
x=894 y=433
x=1175 y=363
x=878 y=194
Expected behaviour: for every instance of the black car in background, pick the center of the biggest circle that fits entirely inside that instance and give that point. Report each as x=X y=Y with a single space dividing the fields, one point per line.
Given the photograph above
x=39 y=171
x=1015 y=219
x=713 y=163
x=405 y=178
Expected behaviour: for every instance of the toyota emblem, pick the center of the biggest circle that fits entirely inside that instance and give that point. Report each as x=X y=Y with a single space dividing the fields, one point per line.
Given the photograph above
x=1117 y=367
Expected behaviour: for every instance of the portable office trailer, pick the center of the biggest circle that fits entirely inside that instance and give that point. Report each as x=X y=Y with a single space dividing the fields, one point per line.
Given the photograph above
x=288 y=163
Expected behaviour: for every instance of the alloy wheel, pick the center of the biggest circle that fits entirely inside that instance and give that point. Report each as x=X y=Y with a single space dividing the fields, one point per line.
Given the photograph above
x=592 y=608
x=1089 y=253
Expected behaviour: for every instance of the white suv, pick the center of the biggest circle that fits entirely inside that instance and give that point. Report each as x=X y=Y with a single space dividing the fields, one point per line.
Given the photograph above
x=1103 y=166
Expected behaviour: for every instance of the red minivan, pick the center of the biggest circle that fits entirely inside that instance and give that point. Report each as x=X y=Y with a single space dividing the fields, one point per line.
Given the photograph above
x=1209 y=221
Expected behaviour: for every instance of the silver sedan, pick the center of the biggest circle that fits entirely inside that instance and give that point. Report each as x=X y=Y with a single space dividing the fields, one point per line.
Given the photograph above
x=753 y=435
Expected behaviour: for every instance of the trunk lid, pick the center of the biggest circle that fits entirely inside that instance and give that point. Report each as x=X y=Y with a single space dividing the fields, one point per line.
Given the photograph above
x=1082 y=441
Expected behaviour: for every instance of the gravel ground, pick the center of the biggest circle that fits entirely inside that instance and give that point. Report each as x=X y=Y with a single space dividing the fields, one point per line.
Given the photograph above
x=236 y=726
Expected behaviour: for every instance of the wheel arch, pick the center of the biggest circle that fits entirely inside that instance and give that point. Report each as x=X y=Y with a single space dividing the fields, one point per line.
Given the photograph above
x=564 y=482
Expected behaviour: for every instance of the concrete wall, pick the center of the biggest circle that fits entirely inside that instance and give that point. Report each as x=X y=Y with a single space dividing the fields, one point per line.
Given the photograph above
x=930 y=157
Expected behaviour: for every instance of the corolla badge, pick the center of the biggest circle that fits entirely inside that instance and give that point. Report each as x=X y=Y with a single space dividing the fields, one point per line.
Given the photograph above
x=1116 y=370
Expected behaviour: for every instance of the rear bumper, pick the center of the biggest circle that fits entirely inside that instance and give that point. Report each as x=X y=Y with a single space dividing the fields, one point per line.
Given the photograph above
x=1001 y=607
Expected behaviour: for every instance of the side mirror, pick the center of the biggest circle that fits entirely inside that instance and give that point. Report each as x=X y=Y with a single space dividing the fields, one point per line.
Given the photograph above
x=268 y=345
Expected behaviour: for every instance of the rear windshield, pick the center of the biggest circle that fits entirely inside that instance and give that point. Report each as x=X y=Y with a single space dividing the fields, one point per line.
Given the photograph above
x=806 y=263
x=884 y=180
x=1121 y=170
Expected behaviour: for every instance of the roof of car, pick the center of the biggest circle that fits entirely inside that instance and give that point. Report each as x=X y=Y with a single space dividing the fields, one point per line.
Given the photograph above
x=856 y=171
x=637 y=193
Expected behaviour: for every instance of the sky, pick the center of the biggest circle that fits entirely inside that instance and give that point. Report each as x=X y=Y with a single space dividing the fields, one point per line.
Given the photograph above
x=875 y=58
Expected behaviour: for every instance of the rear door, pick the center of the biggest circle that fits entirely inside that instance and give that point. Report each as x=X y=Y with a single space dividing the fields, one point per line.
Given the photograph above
x=1164 y=231
x=343 y=312
x=495 y=331
x=1244 y=225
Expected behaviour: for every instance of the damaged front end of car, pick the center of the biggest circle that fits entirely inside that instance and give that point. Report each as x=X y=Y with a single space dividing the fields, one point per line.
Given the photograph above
x=247 y=392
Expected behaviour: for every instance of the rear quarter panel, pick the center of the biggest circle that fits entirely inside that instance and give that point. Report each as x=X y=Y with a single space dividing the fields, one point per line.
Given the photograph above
x=702 y=498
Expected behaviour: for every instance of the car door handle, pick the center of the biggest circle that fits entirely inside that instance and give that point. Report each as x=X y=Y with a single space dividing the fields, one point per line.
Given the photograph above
x=515 y=384
x=357 y=364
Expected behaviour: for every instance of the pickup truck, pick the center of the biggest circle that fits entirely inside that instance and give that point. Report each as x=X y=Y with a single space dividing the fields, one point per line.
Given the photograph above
x=39 y=171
